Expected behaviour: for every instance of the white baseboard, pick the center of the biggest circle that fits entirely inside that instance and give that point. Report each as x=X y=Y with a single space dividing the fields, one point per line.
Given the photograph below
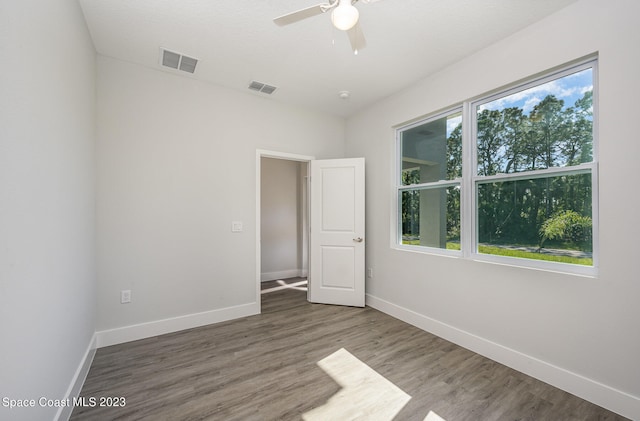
x=283 y=274
x=585 y=388
x=64 y=412
x=160 y=327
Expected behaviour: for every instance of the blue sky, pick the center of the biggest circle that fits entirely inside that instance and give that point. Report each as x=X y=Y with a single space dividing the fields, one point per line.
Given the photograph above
x=569 y=88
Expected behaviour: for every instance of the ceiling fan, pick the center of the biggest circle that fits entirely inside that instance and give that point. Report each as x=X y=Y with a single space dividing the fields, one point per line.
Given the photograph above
x=344 y=16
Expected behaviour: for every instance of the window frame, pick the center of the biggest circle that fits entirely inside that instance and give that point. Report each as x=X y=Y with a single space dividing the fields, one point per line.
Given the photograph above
x=398 y=187
x=470 y=179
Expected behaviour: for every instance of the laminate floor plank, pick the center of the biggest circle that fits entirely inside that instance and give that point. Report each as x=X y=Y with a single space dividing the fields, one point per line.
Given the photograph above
x=265 y=367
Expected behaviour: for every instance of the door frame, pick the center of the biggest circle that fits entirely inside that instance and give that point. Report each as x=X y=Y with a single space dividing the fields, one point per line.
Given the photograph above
x=261 y=153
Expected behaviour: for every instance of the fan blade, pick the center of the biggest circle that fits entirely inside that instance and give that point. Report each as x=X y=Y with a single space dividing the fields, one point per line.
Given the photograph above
x=301 y=14
x=356 y=38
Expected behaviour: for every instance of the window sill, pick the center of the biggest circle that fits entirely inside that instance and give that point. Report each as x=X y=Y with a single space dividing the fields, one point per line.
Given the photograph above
x=515 y=262
x=541 y=265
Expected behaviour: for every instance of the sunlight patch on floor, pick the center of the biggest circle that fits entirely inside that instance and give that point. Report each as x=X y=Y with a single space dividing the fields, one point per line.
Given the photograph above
x=283 y=285
x=432 y=416
x=365 y=394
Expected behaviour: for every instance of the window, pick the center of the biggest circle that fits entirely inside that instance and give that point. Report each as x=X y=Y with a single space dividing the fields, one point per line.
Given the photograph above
x=430 y=178
x=519 y=187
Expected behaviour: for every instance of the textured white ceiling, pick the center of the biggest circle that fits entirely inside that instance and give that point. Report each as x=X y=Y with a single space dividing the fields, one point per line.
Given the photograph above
x=236 y=42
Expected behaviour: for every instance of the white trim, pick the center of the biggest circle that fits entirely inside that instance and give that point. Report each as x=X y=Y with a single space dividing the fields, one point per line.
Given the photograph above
x=468 y=226
x=595 y=182
x=396 y=167
x=432 y=185
x=160 y=327
x=284 y=155
x=261 y=153
x=75 y=387
x=583 y=387
x=586 y=168
x=282 y=274
x=428 y=250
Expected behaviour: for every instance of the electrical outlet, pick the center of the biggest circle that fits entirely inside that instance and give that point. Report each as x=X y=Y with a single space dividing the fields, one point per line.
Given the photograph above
x=125 y=296
x=370 y=273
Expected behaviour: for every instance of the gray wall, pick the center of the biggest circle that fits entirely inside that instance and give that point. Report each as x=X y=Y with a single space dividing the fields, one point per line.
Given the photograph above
x=282 y=219
x=576 y=332
x=176 y=165
x=47 y=176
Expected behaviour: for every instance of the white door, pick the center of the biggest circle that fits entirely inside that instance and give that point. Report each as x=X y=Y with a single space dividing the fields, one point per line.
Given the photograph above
x=336 y=252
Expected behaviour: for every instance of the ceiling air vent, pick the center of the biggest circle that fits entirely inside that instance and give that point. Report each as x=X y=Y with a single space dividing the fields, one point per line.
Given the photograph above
x=178 y=61
x=262 y=87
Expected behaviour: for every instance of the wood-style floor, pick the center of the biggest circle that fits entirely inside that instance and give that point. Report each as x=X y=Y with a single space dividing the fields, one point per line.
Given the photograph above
x=265 y=367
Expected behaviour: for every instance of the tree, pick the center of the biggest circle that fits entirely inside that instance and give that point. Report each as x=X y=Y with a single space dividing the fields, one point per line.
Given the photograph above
x=410 y=203
x=515 y=127
x=454 y=153
x=511 y=141
x=550 y=127
x=454 y=170
x=490 y=142
x=566 y=226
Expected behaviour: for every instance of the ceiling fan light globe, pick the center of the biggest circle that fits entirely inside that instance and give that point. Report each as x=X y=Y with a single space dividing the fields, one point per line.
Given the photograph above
x=345 y=16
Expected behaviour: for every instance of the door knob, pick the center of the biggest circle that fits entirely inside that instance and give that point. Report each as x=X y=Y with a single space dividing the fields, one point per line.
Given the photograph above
x=358 y=240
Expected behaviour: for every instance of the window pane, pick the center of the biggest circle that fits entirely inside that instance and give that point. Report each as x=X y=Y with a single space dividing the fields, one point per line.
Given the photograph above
x=431 y=217
x=432 y=151
x=549 y=125
x=543 y=219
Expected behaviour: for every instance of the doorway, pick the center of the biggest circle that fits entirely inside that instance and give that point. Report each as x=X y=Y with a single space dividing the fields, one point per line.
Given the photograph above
x=282 y=219
x=334 y=234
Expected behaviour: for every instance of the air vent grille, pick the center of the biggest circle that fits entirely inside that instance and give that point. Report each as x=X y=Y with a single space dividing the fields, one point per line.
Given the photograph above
x=178 y=61
x=188 y=64
x=262 y=87
x=170 y=59
x=256 y=86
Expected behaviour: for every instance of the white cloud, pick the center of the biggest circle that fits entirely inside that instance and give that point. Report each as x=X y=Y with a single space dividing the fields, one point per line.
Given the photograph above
x=530 y=103
x=528 y=98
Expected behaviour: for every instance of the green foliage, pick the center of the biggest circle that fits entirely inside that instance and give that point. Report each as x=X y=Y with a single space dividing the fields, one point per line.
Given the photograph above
x=522 y=254
x=411 y=204
x=500 y=251
x=510 y=141
x=553 y=210
x=567 y=226
x=454 y=170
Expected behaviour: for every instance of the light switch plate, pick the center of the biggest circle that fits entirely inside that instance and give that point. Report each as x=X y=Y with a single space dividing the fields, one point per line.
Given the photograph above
x=236 y=226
